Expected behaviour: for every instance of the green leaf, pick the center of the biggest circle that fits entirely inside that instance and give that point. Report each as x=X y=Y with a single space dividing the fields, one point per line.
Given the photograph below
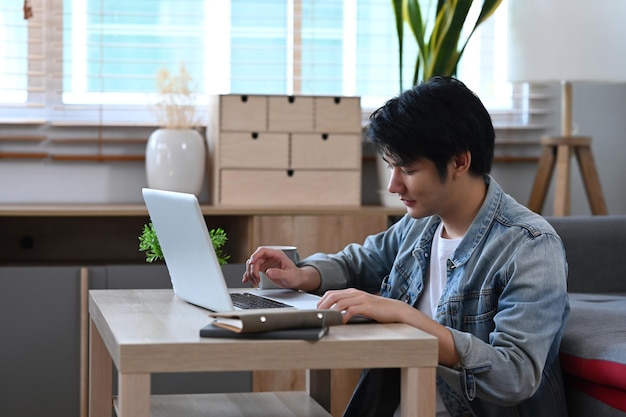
x=440 y=47
x=448 y=57
x=488 y=9
x=219 y=239
x=397 y=12
x=149 y=243
x=413 y=16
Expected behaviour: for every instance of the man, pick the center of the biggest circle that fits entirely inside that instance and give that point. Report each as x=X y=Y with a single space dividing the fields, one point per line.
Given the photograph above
x=467 y=264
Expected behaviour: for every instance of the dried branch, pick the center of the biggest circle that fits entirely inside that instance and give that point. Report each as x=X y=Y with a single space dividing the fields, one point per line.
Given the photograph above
x=176 y=106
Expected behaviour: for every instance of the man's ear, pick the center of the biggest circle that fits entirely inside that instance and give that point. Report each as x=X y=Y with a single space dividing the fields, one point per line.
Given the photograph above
x=461 y=163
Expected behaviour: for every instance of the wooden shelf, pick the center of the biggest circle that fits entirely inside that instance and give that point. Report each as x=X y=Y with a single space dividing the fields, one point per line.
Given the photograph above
x=99 y=141
x=23 y=155
x=266 y=404
x=99 y=158
x=23 y=138
x=51 y=234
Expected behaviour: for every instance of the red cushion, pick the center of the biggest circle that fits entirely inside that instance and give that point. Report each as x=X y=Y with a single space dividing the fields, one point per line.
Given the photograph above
x=613 y=397
x=607 y=373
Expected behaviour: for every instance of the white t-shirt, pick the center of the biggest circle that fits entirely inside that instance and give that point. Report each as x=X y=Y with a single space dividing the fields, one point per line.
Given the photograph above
x=441 y=251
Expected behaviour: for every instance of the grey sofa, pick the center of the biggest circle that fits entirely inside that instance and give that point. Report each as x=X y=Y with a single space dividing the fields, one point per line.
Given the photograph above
x=593 y=350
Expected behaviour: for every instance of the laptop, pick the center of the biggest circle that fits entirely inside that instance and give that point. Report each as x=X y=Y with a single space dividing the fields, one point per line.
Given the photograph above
x=192 y=262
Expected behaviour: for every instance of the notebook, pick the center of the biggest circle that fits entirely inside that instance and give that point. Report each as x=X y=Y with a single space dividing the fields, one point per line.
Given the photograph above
x=191 y=260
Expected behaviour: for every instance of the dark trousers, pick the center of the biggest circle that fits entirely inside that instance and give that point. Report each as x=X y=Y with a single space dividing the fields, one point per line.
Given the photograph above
x=377 y=394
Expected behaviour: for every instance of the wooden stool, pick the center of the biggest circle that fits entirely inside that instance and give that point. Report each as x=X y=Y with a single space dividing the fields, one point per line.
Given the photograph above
x=558 y=151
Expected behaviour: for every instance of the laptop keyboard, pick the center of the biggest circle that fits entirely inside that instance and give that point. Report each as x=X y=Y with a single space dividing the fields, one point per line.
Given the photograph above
x=247 y=301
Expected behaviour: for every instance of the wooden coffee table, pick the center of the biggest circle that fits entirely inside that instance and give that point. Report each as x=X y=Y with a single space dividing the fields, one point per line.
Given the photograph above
x=147 y=331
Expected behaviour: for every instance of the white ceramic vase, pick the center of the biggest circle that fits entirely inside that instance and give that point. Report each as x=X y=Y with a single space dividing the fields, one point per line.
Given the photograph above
x=176 y=160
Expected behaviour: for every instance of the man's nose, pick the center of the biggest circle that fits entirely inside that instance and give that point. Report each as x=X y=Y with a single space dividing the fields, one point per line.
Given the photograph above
x=394 y=180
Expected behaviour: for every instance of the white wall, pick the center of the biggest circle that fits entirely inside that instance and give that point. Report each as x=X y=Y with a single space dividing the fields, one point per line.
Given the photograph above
x=599 y=111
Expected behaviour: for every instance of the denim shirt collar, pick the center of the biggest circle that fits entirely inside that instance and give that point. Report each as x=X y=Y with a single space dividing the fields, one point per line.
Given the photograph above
x=481 y=223
x=477 y=230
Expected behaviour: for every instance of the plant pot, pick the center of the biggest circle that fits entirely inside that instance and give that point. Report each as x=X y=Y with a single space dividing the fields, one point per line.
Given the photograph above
x=176 y=160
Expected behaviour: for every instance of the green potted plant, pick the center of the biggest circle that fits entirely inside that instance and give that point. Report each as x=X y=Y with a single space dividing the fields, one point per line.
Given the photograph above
x=149 y=243
x=438 y=33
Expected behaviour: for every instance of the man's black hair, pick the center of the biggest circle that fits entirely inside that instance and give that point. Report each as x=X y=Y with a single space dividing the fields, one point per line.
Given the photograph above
x=437 y=120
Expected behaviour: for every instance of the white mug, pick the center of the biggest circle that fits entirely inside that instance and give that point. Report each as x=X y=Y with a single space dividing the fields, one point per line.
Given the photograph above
x=291 y=252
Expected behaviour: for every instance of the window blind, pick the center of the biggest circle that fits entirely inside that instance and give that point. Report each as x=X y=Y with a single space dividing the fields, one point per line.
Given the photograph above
x=22 y=62
x=107 y=55
x=94 y=62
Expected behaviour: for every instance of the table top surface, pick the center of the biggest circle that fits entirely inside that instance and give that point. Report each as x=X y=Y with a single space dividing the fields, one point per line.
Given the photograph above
x=155 y=331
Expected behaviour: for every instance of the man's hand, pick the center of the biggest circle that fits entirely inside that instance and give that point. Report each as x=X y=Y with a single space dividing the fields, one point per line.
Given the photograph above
x=353 y=302
x=281 y=270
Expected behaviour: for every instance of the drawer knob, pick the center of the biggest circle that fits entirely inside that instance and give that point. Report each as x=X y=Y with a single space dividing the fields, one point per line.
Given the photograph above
x=244 y=98
x=324 y=136
x=255 y=135
x=337 y=100
x=291 y=99
x=290 y=172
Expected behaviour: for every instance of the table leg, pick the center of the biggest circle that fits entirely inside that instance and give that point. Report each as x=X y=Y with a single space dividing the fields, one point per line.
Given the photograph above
x=562 y=188
x=133 y=395
x=100 y=376
x=332 y=389
x=542 y=179
x=418 y=392
x=591 y=180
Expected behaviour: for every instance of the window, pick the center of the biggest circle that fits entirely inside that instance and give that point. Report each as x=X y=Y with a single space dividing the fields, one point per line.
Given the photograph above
x=101 y=57
x=21 y=64
x=13 y=59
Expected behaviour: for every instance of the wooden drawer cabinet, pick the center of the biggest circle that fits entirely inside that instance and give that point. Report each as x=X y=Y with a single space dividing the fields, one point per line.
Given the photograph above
x=243 y=113
x=285 y=150
x=290 y=187
x=337 y=114
x=254 y=150
x=325 y=151
x=290 y=114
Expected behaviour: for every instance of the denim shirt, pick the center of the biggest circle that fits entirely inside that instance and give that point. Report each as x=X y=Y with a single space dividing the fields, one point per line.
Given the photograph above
x=505 y=302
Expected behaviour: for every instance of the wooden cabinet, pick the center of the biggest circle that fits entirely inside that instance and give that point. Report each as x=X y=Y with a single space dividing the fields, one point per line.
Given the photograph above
x=285 y=150
x=108 y=234
x=39 y=353
x=315 y=233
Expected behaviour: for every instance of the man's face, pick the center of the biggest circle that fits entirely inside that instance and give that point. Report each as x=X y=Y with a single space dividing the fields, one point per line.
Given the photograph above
x=420 y=187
